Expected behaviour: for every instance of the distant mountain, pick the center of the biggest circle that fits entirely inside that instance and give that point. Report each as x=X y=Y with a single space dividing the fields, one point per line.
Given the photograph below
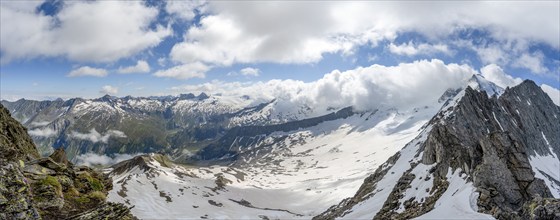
x=177 y=125
x=32 y=187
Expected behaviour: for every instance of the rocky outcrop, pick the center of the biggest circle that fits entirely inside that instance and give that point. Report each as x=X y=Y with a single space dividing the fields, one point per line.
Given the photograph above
x=49 y=187
x=16 y=144
x=491 y=140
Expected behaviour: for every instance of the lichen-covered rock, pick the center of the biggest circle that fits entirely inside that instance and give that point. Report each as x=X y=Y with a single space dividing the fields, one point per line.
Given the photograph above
x=106 y=211
x=15 y=143
x=49 y=187
x=541 y=209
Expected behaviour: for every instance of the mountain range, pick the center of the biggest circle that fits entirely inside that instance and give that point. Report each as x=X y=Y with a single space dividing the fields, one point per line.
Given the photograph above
x=478 y=151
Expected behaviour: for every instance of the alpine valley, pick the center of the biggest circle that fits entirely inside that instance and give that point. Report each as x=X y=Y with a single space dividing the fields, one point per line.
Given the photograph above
x=478 y=151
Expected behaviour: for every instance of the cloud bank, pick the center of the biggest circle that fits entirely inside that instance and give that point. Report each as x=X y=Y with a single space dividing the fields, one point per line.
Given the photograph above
x=406 y=85
x=91 y=159
x=42 y=132
x=95 y=136
x=94 y=31
x=231 y=34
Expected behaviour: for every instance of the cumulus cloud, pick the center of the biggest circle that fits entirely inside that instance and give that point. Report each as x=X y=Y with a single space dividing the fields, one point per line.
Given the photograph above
x=552 y=92
x=410 y=49
x=250 y=71
x=185 y=71
x=496 y=74
x=406 y=85
x=88 y=71
x=42 y=132
x=141 y=67
x=95 y=136
x=231 y=34
x=96 y=31
x=107 y=89
x=91 y=159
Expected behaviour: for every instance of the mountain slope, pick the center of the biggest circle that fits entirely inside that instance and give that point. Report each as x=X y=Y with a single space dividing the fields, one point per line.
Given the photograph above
x=267 y=168
x=475 y=156
x=178 y=125
x=51 y=188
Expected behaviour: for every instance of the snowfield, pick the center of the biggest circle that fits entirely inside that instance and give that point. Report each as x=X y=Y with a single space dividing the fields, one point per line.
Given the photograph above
x=299 y=178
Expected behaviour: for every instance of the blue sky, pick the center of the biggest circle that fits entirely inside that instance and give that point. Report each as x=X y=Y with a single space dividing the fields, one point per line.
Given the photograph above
x=141 y=48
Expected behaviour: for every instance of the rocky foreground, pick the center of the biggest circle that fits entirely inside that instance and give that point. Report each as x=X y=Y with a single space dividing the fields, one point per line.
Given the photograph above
x=51 y=187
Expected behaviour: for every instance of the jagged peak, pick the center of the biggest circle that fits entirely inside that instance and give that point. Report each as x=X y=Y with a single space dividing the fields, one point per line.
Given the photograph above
x=478 y=82
x=106 y=98
x=186 y=96
x=202 y=96
x=144 y=162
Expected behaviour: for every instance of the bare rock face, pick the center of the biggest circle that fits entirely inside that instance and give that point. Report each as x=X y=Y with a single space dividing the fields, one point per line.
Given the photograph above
x=15 y=144
x=49 y=187
x=490 y=139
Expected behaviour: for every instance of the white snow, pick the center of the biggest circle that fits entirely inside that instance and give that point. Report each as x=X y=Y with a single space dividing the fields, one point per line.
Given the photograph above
x=544 y=137
x=550 y=165
x=307 y=164
x=419 y=187
x=496 y=119
x=457 y=202
x=369 y=207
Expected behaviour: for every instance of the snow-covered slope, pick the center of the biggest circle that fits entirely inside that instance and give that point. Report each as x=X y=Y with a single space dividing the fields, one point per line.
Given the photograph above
x=301 y=172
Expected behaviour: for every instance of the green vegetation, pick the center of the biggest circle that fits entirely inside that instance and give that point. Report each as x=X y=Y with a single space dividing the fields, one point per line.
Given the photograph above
x=94 y=183
x=97 y=195
x=52 y=181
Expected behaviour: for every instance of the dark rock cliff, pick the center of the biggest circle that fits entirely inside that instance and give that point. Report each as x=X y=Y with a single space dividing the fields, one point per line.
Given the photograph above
x=51 y=187
x=491 y=139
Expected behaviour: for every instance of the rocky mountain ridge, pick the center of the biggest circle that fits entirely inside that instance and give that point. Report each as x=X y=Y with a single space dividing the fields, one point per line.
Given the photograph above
x=490 y=144
x=32 y=187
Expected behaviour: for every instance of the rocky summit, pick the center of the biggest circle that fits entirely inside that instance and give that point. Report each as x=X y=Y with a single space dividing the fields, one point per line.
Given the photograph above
x=51 y=187
x=496 y=145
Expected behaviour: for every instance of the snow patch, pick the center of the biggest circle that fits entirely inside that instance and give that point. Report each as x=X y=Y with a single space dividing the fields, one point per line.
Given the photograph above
x=458 y=201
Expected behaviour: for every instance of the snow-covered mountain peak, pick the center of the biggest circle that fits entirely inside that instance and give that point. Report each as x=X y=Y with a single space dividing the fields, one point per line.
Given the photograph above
x=479 y=83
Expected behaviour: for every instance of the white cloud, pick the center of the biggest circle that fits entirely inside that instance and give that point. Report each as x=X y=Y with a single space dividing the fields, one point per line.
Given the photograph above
x=162 y=61
x=91 y=159
x=141 y=67
x=496 y=74
x=552 y=92
x=39 y=123
x=231 y=34
x=250 y=71
x=88 y=71
x=95 y=136
x=183 y=9
x=107 y=89
x=96 y=31
x=493 y=54
x=42 y=132
x=410 y=49
x=406 y=85
x=184 y=71
x=532 y=62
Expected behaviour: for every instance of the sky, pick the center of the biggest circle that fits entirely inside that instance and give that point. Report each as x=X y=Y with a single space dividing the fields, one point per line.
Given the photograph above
x=52 y=49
